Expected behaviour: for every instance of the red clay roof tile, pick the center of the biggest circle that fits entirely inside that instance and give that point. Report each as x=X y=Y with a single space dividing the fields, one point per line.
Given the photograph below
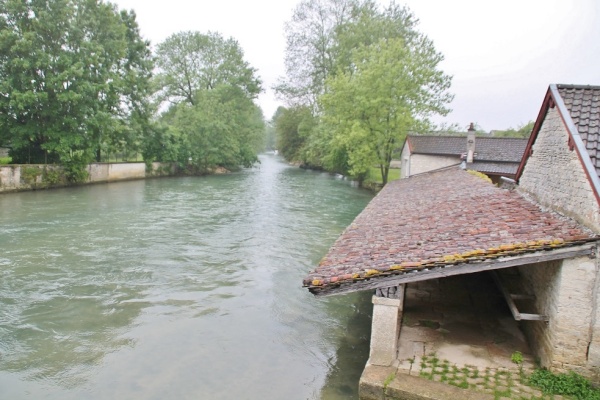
x=440 y=218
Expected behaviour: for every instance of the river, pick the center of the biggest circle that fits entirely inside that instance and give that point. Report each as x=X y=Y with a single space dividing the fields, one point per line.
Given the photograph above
x=183 y=288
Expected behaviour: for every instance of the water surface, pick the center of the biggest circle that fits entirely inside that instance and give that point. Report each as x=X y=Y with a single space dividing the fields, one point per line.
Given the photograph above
x=182 y=288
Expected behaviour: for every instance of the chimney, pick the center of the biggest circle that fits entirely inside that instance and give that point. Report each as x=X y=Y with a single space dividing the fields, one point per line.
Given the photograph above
x=470 y=143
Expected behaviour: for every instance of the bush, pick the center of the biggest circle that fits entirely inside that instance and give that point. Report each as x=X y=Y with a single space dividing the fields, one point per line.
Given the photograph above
x=76 y=169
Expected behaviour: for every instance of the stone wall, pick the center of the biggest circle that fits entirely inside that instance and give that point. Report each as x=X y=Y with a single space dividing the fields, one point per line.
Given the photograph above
x=555 y=177
x=565 y=291
x=31 y=177
x=108 y=172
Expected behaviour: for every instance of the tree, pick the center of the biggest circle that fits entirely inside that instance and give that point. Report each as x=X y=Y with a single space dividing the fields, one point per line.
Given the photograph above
x=392 y=88
x=191 y=61
x=291 y=126
x=311 y=48
x=522 y=131
x=222 y=128
x=72 y=78
x=212 y=120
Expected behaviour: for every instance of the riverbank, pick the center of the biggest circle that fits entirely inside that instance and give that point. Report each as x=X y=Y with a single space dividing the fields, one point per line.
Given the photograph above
x=18 y=178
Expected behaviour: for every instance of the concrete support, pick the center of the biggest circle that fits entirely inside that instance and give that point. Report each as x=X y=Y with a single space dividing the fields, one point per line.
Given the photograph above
x=387 y=316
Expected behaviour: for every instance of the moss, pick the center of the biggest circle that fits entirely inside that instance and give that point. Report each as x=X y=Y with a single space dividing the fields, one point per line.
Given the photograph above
x=389 y=379
x=480 y=175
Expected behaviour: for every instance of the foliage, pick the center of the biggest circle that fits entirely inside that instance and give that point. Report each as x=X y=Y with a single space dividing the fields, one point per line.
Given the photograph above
x=366 y=75
x=392 y=89
x=222 y=128
x=517 y=358
x=30 y=174
x=212 y=120
x=161 y=143
x=73 y=78
x=191 y=61
x=5 y=160
x=570 y=384
x=311 y=48
x=75 y=166
x=271 y=134
x=522 y=131
x=51 y=176
x=292 y=126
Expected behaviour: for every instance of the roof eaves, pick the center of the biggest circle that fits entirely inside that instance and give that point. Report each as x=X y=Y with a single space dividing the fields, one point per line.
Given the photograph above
x=476 y=261
x=582 y=152
x=534 y=133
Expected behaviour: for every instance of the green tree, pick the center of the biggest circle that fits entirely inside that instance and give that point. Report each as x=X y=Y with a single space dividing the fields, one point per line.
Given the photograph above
x=222 y=128
x=212 y=121
x=72 y=76
x=191 y=61
x=522 y=131
x=392 y=88
x=311 y=48
x=292 y=126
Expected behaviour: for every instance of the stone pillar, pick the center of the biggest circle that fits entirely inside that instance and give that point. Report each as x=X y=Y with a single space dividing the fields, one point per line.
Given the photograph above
x=385 y=329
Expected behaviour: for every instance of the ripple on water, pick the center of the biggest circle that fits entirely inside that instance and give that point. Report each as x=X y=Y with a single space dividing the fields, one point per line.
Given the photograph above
x=169 y=288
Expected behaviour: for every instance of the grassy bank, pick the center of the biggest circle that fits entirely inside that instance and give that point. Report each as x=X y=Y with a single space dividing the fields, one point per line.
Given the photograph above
x=374 y=175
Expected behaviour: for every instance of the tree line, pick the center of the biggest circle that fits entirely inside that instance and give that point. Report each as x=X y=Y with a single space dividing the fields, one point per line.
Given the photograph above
x=359 y=77
x=78 y=82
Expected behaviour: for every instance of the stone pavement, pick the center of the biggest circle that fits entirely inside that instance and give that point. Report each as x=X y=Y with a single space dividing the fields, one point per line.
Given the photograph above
x=457 y=333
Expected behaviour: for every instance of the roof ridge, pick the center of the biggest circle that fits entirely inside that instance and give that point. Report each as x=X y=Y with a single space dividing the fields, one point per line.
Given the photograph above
x=574 y=86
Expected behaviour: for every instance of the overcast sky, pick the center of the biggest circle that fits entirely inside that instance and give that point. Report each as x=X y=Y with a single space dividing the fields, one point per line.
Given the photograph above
x=502 y=54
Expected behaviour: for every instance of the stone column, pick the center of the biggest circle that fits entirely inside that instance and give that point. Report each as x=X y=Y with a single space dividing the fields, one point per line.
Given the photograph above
x=385 y=329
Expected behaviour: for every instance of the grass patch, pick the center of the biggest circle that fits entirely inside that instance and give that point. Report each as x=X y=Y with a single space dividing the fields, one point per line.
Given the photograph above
x=506 y=384
x=5 y=160
x=570 y=384
x=374 y=175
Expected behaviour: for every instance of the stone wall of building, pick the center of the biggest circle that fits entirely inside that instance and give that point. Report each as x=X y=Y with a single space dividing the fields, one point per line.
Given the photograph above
x=419 y=163
x=555 y=177
x=566 y=292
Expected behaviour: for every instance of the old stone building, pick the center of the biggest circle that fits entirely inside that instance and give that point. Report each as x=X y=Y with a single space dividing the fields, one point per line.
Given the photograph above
x=449 y=222
x=560 y=172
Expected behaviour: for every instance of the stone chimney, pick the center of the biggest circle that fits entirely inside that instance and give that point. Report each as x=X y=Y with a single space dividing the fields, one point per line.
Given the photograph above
x=470 y=143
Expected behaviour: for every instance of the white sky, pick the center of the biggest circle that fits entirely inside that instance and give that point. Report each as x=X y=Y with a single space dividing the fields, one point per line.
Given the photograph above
x=503 y=54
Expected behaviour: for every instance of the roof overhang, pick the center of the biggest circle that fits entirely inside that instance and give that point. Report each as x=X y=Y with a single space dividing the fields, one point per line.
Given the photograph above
x=393 y=279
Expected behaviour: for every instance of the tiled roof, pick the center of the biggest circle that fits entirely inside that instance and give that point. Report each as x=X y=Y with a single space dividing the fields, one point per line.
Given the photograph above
x=494 y=168
x=583 y=104
x=486 y=148
x=437 y=145
x=441 y=218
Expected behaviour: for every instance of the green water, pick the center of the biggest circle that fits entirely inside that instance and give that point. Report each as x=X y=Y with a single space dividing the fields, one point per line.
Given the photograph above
x=182 y=288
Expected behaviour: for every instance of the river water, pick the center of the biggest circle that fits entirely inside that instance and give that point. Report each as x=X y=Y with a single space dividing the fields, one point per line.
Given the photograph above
x=186 y=288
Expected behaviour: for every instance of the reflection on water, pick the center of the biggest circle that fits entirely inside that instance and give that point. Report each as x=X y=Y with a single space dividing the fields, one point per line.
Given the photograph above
x=179 y=288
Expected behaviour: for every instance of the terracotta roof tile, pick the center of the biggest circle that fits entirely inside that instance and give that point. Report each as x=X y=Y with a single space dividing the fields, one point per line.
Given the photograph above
x=440 y=218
